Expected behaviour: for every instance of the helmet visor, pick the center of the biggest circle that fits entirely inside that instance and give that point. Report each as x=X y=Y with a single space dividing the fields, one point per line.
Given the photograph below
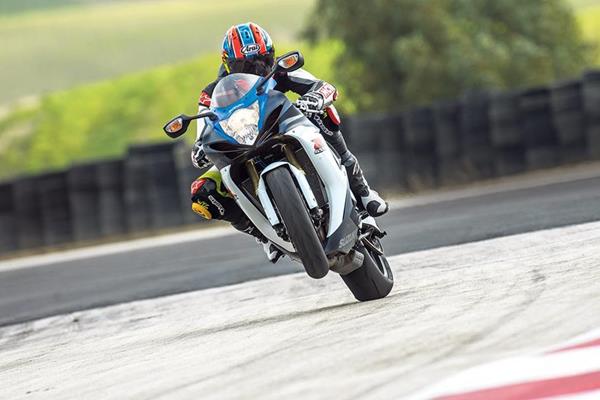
x=258 y=65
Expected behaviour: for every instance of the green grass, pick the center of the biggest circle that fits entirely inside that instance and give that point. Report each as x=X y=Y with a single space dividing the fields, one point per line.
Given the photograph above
x=19 y=6
x=47 y=49
x=100 y=120
x=589 y=19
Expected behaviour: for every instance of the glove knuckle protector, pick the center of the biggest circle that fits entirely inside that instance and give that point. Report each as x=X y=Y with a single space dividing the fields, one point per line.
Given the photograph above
x=318 y=99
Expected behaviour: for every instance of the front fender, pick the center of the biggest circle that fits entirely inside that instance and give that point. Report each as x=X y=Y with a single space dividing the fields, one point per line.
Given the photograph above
x=257 y=218
x=265 y=198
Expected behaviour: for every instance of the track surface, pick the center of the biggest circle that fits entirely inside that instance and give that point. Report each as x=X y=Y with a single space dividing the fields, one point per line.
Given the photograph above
x=292 y=337
x=31 y=293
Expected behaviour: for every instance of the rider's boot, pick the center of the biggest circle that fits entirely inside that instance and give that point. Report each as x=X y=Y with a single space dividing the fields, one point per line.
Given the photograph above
x=246 y=226
x=272 y=252
x=367 y=198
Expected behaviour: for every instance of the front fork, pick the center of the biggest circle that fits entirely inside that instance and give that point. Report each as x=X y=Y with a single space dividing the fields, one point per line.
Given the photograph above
x=253 y=173
x=298 y=173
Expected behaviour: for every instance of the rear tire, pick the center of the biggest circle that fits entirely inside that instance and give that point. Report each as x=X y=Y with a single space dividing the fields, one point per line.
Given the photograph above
x=298 y=222
x=373 y=280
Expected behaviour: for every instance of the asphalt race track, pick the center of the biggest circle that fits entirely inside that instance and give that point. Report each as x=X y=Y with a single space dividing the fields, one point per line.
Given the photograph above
x=481 y=275
x=293 y=337
x=60 y=285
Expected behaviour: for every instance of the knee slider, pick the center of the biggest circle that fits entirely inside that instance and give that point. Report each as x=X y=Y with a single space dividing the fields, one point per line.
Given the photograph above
x=200 y=190
x=209 y=203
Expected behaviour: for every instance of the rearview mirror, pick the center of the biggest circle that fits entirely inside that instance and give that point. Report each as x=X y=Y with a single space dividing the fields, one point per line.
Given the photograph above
x=179 y=125
x=290 y=61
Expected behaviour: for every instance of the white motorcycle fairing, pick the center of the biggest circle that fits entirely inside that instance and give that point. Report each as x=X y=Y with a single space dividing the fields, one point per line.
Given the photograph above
x=343 y=221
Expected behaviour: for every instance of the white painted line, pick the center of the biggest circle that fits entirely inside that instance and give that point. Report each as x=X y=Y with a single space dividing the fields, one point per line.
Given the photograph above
x=115 y=248
x=526 y=181
x=533 y=369
x=518 y=370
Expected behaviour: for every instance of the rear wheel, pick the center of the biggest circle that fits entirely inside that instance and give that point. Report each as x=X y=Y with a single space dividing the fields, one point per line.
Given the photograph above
x=298 y=222
x=374 y=279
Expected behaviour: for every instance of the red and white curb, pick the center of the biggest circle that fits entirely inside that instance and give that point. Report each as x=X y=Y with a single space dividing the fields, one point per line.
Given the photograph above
x=568 y=371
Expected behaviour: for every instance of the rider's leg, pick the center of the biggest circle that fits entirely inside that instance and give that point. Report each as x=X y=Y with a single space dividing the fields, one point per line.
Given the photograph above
x=369 y=199
x=211 y=200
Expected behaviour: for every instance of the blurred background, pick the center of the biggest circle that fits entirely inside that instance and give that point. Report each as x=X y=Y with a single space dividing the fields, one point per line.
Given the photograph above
x=434 y=93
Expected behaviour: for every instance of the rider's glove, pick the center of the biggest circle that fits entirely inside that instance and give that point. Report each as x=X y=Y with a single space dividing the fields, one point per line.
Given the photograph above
x=199 y=157
x=321 y=96
x=311 y=102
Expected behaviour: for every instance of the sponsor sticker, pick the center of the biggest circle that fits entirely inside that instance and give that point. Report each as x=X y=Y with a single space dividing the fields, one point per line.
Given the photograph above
x=217 y=204
x=326 y=90
x=251 y=48
x=346 y=239
x=318 y=145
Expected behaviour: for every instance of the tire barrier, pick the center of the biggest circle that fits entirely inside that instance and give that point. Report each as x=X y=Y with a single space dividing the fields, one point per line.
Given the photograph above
x=152 y=193
x=376 y=140
x=475 y=140
x=539 y=133
x=391 y=168
x=362 y=132
x=83 y=194
x=591 y=106
x=569 y=120
x=448 y=149
x=419 y=142
x=479 y=136
x=8 y=223
x=136 y=191
x=53 y=199
x=111 y=197
x=506 y=133
x=164 y=191
x=28 y=213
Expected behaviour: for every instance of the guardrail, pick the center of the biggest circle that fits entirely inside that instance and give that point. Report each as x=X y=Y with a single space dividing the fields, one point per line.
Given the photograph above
x=479 y=136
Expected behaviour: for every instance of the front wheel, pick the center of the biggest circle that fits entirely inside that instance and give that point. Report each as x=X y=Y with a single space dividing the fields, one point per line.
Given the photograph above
x=298 y=222
x=374 y=279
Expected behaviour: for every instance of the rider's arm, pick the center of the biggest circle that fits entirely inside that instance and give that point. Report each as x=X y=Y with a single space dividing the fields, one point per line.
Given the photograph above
x=316 y=94
x=198 y=156
x=203 y=105
x=199 y=159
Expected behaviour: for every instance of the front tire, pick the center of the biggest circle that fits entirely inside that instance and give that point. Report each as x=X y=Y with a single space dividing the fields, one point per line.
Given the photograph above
x=374 y=279
x=298 y=222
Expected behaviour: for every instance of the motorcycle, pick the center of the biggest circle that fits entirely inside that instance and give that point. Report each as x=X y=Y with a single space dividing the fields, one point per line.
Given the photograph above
x=289 y=181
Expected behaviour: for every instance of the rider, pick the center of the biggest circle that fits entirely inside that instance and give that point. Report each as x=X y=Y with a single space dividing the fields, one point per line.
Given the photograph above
x=247 y=48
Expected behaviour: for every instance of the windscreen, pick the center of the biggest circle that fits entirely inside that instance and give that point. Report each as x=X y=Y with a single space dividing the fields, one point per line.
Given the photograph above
x=232 y=88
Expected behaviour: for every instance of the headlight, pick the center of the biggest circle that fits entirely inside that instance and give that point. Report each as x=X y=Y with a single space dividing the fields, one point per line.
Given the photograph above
x=243 y=124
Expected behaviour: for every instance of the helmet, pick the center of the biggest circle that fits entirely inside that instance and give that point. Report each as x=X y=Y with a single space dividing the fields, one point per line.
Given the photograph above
x=248 y=48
